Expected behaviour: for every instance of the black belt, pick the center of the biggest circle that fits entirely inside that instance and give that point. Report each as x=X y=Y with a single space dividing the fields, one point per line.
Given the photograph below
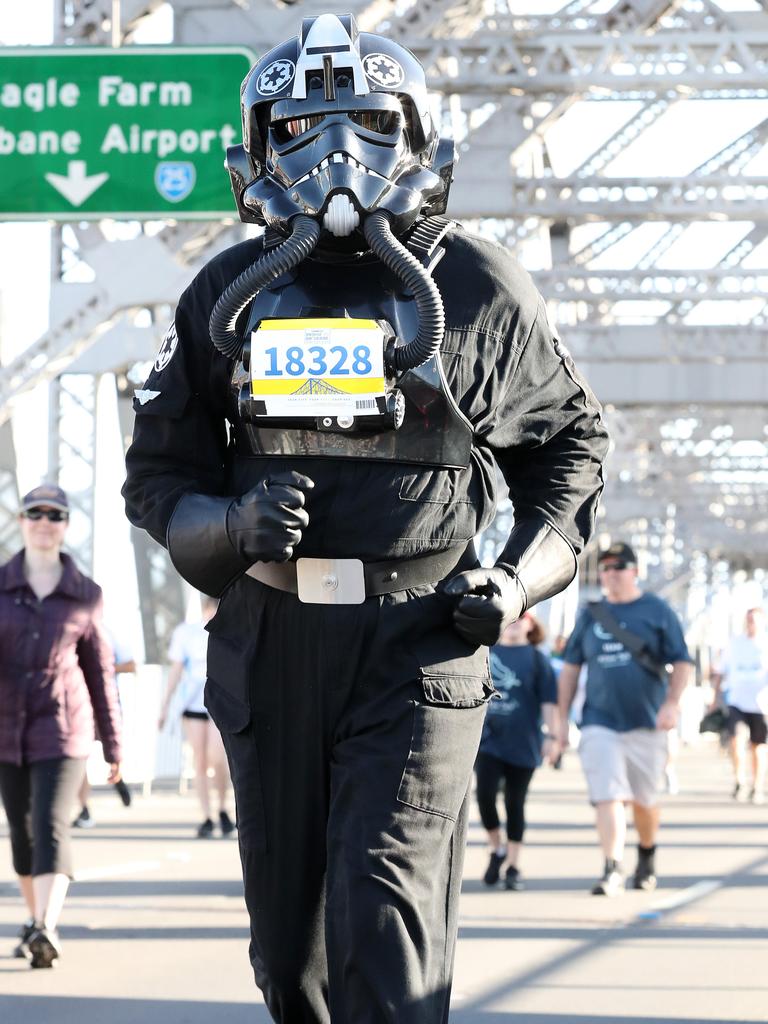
x=378 y=577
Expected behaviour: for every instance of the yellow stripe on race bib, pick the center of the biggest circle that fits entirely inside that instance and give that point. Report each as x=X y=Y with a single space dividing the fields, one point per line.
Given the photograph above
x=336 y=323
x=364 y=386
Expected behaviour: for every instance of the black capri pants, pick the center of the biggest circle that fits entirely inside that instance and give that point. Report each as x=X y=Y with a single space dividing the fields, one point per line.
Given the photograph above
x=490 y=773
x=38 y=800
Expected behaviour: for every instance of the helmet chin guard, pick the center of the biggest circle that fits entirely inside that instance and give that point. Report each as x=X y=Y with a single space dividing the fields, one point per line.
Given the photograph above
x=337 y=126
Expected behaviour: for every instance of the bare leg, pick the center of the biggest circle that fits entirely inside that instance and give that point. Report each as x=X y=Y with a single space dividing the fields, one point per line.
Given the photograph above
x=611 y=828
x=196 y=731
x=494 y=839
x=759 y=759
x=50 y=892
x=28 y=892
x=646 y=823
x=513 y=853
x=84 y=791
x=737 y=758
x=217 y=759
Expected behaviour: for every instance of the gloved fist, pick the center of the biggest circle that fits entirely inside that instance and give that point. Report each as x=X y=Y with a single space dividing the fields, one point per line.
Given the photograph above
x=265 y=524
x=486 y=601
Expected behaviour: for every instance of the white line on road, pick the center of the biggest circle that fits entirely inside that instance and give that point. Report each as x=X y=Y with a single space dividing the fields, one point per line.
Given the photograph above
x=134 y=867
x=680 y=899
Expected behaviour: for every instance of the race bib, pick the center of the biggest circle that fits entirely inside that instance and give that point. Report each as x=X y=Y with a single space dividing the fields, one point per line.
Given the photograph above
x=318 y=367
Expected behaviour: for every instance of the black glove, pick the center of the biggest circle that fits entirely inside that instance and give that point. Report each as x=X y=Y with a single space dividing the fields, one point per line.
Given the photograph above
x=212 y=541
x=487 y=600
x=536 y=563
x=265 y=524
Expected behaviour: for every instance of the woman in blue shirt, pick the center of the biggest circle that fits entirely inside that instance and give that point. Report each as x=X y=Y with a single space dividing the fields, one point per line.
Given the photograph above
x=511 y=745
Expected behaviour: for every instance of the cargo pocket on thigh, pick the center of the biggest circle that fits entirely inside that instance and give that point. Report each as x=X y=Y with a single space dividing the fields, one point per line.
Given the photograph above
x=447 y=723
x=233 y=720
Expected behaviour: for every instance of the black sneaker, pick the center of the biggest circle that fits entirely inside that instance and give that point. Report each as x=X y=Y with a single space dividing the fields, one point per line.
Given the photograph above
x=44 y=947
x=206 y=829
x=226 y=824
x=493 y=870
x=611 y=884
x=512 y=880
x=644 y=877
x=84 y=819
x=21 y=950
x=123 y=792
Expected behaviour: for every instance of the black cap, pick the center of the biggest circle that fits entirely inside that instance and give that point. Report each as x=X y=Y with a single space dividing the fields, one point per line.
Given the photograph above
x=620 y=551
x=46 y=495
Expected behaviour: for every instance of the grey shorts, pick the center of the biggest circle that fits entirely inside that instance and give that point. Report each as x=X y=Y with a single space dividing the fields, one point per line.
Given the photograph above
x=623 y=765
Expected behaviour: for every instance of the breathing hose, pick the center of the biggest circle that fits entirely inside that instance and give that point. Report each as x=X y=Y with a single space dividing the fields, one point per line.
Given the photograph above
x=429 y=302
x=270 y=266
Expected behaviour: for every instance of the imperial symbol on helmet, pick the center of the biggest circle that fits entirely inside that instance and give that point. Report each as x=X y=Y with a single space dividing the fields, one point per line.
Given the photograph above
x=383 y=70
x=275 y=78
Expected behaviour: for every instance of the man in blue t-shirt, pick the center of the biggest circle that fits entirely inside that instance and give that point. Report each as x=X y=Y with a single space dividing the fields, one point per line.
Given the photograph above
x=628 y=709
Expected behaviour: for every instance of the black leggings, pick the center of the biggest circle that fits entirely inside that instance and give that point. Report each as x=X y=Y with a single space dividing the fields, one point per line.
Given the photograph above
x=490 y=771
x=38 y=800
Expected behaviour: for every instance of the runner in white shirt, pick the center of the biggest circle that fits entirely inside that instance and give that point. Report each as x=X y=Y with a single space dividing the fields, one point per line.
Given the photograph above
x=188 y=655
x=744 y=671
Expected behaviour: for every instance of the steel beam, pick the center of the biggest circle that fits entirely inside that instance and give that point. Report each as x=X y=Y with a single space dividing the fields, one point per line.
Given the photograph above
x=578 y=200
x=627 y=383
x=554 y=64
x=664 y=343
x=566 y=283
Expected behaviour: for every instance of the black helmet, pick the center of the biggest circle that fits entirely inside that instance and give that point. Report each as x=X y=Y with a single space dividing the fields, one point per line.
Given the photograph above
x=336 y=125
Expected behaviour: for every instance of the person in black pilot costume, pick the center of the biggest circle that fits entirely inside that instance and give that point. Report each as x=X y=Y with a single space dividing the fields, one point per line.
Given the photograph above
x=318 y=444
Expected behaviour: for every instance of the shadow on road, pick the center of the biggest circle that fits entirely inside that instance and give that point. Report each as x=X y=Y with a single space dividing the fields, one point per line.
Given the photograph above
x=82 y=1010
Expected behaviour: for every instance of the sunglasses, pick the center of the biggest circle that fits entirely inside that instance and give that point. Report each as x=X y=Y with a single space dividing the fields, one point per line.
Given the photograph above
x=608 y=566
x=53 y=515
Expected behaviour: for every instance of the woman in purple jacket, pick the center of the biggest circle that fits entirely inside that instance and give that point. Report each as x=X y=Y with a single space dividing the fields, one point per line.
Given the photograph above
x=55 y=675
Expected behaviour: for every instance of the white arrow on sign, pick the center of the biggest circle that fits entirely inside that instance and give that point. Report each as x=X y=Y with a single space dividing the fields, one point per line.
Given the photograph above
x=76 y=185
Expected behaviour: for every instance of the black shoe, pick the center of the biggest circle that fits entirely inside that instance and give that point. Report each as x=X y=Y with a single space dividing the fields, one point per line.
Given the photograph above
x=512 y=880
x=84 y=819
x=493 y=870
x=206 y=829
x=21 y=951
x=123 y=792
x=644 y=878
x=226 y=824
x=44 y=947
x=611 y=884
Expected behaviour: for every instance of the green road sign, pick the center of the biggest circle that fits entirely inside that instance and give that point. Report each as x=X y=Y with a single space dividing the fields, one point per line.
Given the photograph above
x=139 y=132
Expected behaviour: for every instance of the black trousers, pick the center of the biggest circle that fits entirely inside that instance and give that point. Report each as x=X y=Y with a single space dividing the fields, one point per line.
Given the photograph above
x=38 y=799
x=351 y=777
x=491 y=772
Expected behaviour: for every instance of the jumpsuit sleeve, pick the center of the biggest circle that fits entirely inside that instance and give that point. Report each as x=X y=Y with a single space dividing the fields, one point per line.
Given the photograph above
x=547 y=435
x=180 y=436
x=94 y=653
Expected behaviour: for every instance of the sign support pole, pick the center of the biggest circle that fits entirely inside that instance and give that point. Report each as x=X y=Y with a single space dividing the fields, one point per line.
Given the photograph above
x=117 y=35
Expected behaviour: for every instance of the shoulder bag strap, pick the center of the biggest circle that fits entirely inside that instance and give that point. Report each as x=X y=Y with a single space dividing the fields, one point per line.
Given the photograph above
x=601 y=613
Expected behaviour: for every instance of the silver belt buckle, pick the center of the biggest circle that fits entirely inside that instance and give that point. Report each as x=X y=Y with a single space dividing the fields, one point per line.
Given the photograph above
x=330 y=580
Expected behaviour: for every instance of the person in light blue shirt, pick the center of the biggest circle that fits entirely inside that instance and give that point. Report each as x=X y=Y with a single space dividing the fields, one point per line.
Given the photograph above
x=629 y=707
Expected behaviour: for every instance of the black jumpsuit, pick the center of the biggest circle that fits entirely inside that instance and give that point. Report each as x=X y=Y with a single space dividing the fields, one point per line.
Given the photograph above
x=352 y=730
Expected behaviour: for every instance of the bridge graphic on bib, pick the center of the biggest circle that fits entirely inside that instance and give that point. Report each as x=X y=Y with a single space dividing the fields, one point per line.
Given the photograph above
x=318 y=387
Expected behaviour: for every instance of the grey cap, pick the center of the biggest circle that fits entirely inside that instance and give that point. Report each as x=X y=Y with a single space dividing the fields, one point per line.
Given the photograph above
x=48 y=495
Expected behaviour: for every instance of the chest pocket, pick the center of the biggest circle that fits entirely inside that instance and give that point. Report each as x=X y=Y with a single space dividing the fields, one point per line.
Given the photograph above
x=436 y=487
